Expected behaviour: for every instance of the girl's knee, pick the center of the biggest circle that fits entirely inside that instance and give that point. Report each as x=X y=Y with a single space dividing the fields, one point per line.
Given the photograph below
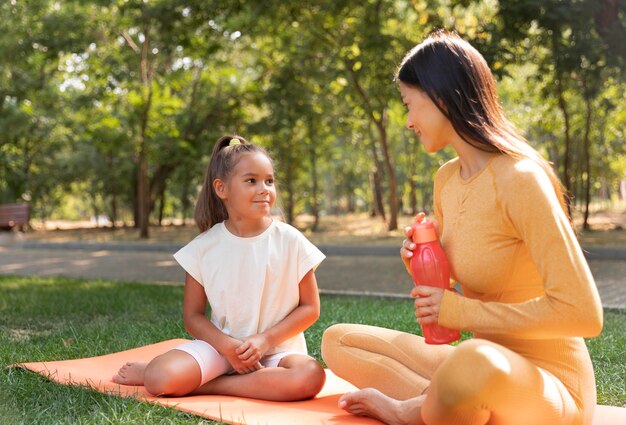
x=308 y=381
x=167 y=378
x=157 y=379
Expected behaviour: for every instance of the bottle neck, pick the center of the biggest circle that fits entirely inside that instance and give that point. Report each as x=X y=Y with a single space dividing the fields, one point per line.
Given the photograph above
x=424 y=233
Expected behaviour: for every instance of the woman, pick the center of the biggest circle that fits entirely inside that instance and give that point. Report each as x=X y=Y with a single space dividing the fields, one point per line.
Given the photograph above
x=528 y=295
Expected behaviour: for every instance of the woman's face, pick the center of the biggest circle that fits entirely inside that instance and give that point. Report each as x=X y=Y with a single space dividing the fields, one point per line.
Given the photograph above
x=433 y=128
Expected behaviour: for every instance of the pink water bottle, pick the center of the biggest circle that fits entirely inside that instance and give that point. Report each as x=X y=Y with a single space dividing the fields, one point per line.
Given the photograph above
x=430 y=267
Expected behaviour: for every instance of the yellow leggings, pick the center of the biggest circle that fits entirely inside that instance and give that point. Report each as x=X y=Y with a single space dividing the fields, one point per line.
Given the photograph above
x=476 y=382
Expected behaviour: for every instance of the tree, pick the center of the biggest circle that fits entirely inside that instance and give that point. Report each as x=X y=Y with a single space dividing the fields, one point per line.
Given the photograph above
x=578 y=58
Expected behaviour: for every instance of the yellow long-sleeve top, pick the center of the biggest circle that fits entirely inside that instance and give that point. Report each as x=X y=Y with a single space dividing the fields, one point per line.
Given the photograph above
x=526 y=284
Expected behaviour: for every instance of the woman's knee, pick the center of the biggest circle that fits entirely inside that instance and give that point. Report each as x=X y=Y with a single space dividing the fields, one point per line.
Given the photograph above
x=474 y=367
x=332 y=335
x=331 y=340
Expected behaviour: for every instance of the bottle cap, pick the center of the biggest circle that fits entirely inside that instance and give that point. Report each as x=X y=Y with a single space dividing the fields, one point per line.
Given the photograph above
x=424 y=231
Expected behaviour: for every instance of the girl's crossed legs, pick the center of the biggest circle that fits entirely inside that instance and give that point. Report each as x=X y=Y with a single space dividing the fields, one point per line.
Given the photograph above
x=197 y=368
x=477 y=382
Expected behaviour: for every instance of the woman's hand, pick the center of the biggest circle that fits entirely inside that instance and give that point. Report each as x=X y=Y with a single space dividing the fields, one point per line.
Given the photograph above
x=427 y=304
x=406 y=252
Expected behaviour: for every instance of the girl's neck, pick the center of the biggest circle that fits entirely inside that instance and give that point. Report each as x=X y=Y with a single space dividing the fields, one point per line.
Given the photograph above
x=246 y=228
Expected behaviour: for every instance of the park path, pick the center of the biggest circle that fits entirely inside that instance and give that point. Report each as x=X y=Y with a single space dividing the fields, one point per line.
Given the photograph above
x=373 y=270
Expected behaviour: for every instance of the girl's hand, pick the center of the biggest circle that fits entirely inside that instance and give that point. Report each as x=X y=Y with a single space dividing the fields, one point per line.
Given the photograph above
x=252 y=349
x=240 y=366
x=427 y=304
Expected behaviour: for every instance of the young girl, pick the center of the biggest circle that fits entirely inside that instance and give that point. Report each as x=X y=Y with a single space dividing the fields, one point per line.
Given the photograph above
x=257 y=276
x=528 y=295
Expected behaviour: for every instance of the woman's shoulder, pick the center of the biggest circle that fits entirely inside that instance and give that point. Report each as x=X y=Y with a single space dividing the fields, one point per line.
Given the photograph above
x=510 y=170
x=520 y=180
x=447 y=170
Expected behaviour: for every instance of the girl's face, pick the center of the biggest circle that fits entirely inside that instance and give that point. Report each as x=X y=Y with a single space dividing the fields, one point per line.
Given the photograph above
x=249 y=193
x=425 y=119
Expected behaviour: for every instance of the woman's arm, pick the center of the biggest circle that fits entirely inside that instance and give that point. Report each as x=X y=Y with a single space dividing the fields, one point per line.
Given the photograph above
x=570 y=305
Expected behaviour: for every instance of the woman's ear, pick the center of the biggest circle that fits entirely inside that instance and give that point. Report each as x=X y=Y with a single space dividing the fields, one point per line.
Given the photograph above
x=220 y=188
x=442 y=105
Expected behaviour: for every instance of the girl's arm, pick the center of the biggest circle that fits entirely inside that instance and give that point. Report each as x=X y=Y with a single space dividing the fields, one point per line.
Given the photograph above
x=301 y=318
x=200 y=327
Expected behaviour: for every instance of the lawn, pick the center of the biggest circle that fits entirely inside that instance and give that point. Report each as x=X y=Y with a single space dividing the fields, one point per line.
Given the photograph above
x=56 y=318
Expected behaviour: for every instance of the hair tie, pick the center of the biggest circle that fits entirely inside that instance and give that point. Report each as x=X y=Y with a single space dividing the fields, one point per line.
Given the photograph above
x=234 y=142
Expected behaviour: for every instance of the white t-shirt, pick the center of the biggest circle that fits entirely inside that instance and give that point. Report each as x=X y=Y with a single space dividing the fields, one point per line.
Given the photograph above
x=251 y=284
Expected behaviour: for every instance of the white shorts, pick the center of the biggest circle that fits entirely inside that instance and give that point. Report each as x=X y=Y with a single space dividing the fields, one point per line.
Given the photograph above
x=213 y=364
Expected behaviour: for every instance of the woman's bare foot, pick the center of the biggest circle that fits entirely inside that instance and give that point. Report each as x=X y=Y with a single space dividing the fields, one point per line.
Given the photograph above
x=374 y=404
x=132 y=373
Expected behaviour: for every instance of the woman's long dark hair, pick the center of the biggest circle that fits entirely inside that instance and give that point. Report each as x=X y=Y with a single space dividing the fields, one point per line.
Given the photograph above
x=456 y=77
x=227 y=152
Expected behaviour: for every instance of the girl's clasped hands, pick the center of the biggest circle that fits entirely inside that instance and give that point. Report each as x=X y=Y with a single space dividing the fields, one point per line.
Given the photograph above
x=245 y=355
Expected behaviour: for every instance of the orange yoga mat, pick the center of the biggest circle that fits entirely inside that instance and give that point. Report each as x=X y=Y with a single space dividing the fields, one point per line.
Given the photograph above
x=96 y=372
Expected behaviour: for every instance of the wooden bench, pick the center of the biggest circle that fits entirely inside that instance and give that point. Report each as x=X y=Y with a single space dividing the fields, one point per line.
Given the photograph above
x=14 y=216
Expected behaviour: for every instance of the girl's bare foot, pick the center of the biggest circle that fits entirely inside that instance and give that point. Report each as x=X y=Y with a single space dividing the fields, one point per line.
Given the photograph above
x=374 y=404
x=132 y=373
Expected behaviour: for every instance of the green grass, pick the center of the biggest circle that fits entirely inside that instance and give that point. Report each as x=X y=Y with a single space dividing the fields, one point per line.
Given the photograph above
x=56 y=318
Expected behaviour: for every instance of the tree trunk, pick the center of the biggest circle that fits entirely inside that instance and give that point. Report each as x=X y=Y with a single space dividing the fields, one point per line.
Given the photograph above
x=143 y=195
x=161 y=205
x=288 y=185
x=378 y=207
x=587 y=163
x=315 y=211
x=184 y=197
x=380 y=124
x=112 y=191
x=376 y=181
x=94 y=206
x=568 y=142
x=563 y=107
x=392 y=224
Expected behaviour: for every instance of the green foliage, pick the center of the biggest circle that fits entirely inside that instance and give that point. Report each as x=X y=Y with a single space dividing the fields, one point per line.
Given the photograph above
x=91 y=90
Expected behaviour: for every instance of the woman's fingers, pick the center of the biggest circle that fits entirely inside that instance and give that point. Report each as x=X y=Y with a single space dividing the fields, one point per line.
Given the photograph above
x=426 y=311
x=406 y=251
x=427 y=302
x=423 y=302
x=425 y=291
